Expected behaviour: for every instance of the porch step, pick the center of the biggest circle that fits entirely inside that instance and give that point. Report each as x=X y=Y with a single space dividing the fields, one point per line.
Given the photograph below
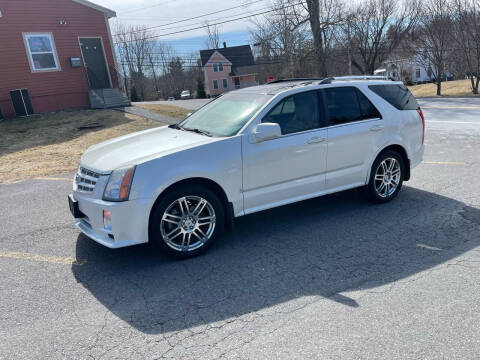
x=107 y=98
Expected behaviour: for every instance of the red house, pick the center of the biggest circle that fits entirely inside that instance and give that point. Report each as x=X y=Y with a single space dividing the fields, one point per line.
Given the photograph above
x=56 y=54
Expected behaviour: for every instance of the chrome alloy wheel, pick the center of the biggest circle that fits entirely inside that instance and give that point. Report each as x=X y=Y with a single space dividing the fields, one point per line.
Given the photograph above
x=387 y=177
x=188 y=223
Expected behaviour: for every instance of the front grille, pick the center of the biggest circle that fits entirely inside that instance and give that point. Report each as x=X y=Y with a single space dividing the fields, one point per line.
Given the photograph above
x=86 y=180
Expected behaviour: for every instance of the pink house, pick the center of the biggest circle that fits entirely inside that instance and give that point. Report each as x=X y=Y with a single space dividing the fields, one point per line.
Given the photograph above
x=228 y=68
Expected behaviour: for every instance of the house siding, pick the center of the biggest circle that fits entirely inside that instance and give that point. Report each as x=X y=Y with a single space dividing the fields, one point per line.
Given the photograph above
x=49 y=91
x=210 y=76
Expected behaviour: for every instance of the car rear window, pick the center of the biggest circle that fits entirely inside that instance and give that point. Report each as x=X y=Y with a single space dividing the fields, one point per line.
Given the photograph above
x=397 y=95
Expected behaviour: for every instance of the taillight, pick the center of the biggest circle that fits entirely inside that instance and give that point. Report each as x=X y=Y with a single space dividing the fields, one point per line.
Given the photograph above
x=420 y=112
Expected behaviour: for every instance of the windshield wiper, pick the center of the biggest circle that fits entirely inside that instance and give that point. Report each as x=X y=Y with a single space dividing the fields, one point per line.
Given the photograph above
x=176 y=126
x=199 y=131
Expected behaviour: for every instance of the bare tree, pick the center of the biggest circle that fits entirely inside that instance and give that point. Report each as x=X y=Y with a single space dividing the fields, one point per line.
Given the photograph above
x=376 y=28
x=435 y=38
x=281 y=42
x=467 y=38
x=213 y=36
x=134 y=51
x=323 y=16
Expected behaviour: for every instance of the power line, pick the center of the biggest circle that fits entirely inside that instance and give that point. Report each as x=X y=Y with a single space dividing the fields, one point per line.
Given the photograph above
x=193 y=18
x=204 y=26
x=200 y=23
x=130 y=10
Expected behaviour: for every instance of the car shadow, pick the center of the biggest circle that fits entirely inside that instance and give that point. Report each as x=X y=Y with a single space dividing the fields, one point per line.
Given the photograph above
x=314 y=249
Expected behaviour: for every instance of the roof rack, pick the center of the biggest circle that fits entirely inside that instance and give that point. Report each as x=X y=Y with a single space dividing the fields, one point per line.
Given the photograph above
x=294 y=79
x=355 y=77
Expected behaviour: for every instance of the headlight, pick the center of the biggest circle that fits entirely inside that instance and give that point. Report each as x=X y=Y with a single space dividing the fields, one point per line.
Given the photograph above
x=119 y=183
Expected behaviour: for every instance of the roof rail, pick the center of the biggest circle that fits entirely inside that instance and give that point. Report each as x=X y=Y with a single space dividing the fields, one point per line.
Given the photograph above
x=355 y=77
x=294 y=79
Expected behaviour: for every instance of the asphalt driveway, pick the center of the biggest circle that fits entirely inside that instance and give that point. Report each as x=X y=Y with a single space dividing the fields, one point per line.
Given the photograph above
x=333 y=277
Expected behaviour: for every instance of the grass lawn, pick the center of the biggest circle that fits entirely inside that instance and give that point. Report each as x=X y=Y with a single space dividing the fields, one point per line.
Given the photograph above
x=449 y=88
x=168 y=110
x=53 y=143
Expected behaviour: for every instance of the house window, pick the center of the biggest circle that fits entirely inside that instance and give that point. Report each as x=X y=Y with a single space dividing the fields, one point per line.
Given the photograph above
x=217 y=67
x=417 y=73
x=225 y=83
x=41 y=52
x=215 y=84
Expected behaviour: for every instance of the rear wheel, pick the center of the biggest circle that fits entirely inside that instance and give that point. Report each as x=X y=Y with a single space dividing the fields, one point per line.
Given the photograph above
x=187 y=220
x=386 y=177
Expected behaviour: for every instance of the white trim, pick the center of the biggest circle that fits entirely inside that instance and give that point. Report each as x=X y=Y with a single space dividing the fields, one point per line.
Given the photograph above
x=216 y=52
x=108 y=13
x=26 y=36
x=114 y=55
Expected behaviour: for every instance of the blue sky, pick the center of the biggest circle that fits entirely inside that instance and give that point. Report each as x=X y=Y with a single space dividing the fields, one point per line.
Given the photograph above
x=159 y=13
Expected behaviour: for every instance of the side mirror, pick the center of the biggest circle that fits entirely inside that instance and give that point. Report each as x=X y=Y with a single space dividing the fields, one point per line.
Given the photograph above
x=266 y=131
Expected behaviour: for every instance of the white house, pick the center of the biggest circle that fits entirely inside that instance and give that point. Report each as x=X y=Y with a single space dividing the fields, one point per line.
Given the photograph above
x=409 y=70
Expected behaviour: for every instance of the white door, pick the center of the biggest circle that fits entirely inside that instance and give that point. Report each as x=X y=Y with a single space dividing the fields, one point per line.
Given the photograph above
x=355 y=129
x=292 y=166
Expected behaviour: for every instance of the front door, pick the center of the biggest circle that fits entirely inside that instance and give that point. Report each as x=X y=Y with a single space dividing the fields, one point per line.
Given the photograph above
x=95 y=64
x=292 y=166
x=236 y=80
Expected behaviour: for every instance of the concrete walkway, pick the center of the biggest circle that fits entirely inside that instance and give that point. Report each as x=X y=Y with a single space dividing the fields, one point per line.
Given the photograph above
x=191 y=104
x=134 y=110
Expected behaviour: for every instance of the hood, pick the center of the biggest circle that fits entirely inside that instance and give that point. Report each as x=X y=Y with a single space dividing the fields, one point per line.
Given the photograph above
x=139 y=147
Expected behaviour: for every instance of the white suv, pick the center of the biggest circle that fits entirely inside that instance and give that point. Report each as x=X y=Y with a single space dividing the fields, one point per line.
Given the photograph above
x=248 y=150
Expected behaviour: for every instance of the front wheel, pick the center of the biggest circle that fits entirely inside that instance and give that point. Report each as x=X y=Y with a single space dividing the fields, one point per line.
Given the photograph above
x=386 y=177
x=187 y=220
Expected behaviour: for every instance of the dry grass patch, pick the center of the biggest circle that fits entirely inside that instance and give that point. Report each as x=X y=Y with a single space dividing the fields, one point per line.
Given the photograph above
x=449 y=88
x=168 y=110
x=52 y=143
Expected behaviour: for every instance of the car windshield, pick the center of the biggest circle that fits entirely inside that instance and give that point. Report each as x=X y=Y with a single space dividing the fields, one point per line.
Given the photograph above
x=226 y=115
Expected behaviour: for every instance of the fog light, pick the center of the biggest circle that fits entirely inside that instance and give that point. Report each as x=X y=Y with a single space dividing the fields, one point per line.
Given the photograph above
x=107 y=220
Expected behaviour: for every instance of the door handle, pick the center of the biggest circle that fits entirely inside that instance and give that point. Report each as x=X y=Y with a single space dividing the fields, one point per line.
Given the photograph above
x=316 y=140
x=376 y=128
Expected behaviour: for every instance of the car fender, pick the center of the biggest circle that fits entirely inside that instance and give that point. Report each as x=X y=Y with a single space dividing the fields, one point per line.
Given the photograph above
x=218 y=161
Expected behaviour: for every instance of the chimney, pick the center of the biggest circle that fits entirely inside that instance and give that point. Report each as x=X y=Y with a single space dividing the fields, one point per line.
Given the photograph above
x=224 y=45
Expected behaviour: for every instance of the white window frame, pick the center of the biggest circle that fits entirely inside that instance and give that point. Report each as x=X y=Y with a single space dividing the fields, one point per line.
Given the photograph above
x=26 y=36
x=215 y=81
x=225 y=83
x=220 y=67
x=215 y=67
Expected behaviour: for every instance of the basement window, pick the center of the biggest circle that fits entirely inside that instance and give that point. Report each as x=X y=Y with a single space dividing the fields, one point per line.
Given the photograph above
x=41 y=52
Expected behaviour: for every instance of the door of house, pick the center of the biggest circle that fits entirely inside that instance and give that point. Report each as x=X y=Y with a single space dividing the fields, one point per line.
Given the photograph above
x=95 y=63
x=237 y=82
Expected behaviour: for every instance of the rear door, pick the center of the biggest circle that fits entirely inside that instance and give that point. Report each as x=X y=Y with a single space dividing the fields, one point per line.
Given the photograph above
x=355 y=129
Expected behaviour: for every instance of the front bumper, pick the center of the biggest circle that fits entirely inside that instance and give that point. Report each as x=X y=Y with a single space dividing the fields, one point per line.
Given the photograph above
x=129 y=220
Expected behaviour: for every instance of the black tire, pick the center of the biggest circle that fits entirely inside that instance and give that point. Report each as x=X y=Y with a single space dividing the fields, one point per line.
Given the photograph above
x=166 y=200
x=370 y=189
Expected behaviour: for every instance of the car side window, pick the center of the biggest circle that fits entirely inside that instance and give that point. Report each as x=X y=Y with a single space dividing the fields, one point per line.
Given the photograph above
x=369 y=111
x=342 y=105
x=299 y=112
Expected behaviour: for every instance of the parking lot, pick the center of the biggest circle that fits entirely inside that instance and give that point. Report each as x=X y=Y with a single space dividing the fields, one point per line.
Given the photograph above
x=333 y=277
